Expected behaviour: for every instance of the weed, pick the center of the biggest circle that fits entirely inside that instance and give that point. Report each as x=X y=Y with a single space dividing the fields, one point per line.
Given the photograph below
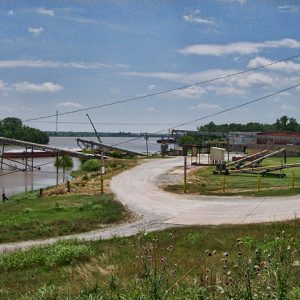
x=59 y=254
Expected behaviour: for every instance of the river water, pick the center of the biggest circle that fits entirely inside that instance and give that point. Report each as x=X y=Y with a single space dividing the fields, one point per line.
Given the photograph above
x=12 y=182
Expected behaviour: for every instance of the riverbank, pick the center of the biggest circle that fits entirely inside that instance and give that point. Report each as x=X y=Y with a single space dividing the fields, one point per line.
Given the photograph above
x=59 y=212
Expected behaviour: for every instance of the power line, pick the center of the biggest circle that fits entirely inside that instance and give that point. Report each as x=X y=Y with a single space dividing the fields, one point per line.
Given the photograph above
x=164 y=91
x=219 y=112
x=102 y=123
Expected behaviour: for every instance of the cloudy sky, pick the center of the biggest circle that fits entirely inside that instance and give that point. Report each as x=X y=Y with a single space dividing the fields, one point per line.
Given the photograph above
x=68 y=55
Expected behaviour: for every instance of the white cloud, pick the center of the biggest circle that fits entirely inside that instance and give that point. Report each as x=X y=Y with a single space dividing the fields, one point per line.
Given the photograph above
x=5 y=109
x=151 y=86
x=255 y=79
x=288 y=9
x=35 y=31
x=234 y=85
x=288 y=107
x=27 y=109
x=48 y=87
x=194 y=17
x=45 y=11
x=151 y=109
x=226 y=90
x=27 y=64
x=82 y=65
x=241 y=48
x=246 y=80
x=124 y=66
x=287 y=66
x=206 y=107
x=69 y=104
x=54 y=64
x=3 y=86
x=10 y=12
x=186 y=78
x=239 y=1
x=190 y=92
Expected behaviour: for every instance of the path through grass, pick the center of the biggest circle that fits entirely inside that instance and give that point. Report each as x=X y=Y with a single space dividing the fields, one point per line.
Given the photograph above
x=190 y=262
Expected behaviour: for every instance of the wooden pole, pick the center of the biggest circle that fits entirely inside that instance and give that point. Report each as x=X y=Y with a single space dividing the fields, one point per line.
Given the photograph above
x=146 y=139
x=26 y=159
x=32 y=159
x=64 y=168
x=56 y=168
x=224 y=184
x=2 y=156
x=102 y=171
x=184 y=174
x=293 y=181
x=68 y=186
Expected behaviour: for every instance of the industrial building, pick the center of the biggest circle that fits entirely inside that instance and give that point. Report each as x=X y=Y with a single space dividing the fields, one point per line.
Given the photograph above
x=254 y=142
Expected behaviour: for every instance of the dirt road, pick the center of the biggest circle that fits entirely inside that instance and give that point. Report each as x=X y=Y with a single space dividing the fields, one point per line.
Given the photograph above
x=138 y=189
x=156 y=209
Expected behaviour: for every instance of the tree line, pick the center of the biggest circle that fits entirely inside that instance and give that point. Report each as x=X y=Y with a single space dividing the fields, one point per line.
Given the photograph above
x=14 y=129
x=283 y=123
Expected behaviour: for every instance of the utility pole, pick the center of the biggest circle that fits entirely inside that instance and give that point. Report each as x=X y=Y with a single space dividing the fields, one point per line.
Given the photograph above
x=97 y=134
x=184 y=174
x=146 y=139
x=56 y=123
x=102 y=157
x=102 y=172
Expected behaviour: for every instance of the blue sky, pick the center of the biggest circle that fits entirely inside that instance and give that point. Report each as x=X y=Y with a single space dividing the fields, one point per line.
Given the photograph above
x=67 y=55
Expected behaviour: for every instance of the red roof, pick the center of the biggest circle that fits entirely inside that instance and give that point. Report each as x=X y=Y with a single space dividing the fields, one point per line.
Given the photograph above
x=280 y=133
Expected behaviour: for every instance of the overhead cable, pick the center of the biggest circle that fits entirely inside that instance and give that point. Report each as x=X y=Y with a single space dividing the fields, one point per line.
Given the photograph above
x=165 y=91
x=219 y=112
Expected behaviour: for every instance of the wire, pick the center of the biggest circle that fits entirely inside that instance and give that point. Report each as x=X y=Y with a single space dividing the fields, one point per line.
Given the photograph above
x=164 y=91
x=100 y=123
x=218 y=113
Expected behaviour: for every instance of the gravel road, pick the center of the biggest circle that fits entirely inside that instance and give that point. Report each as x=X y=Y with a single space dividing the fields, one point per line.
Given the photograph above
x=156 y=209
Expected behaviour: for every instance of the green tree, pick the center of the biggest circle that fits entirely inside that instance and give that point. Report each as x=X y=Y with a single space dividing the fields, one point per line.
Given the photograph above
x=13 y=128
x=286 y=123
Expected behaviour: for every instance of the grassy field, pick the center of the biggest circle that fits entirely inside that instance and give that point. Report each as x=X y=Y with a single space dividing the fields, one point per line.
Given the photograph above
x=27 y=216
x=210 y=262
x=202 y=181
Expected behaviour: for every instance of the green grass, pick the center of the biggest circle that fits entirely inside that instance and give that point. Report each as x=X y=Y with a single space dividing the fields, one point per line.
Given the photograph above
x=191 y=257
x=26 y=216
x=204 y=182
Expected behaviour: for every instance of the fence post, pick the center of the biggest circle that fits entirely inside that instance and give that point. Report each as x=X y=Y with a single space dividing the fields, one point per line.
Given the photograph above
x=258 y=182
x=102 y=172
x=224 y=183
x=293 y=180
x=184 y=175
x=68 y=186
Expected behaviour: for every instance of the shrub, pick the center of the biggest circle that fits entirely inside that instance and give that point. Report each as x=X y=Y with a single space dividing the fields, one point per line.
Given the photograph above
x=58 y=254
x=91 y=165
x=64 y=162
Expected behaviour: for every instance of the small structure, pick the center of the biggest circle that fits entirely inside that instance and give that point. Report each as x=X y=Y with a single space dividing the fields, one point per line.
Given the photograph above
x=239 y=141
x=217 y=155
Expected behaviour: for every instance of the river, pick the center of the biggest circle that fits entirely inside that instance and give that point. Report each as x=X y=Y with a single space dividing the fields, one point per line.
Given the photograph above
x=12 y=182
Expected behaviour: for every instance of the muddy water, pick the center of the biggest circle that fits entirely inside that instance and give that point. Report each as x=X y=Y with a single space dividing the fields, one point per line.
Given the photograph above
x=12 y=182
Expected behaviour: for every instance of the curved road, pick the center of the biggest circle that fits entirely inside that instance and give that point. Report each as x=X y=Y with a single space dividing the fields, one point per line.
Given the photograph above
x=138 y=188
x=156 y=209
